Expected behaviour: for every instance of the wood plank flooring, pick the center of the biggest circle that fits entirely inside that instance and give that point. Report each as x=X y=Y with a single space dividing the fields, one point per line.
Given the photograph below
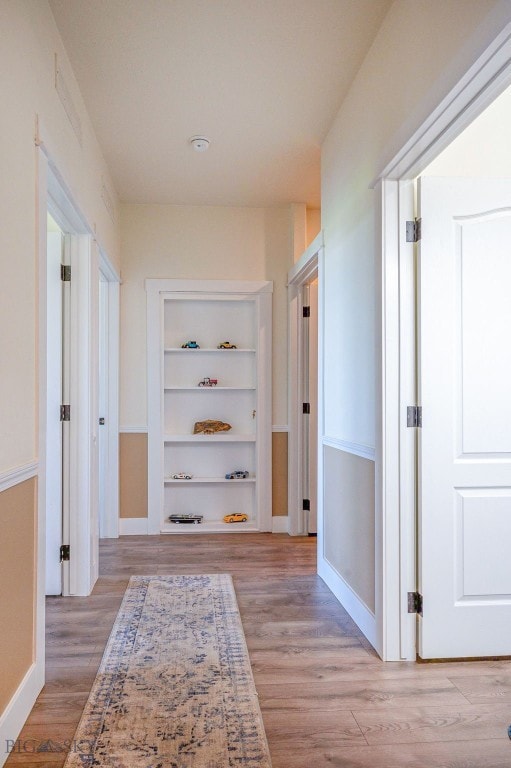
x=327 y=700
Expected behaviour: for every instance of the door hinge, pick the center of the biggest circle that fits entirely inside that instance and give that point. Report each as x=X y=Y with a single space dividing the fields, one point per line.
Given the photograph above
x=65 y=273
x=413 y=231
x=306 y=505
x=414 y=416
x=306 y=407
x=306 y=311
x=415 y=603
x=65 y=413
x=65 y=551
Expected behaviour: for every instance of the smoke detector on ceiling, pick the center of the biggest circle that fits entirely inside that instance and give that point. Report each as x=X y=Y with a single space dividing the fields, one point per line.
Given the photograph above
x=199 y=143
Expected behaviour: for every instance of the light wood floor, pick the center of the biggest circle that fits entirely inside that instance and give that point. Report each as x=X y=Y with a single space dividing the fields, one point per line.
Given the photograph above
x=326 y=698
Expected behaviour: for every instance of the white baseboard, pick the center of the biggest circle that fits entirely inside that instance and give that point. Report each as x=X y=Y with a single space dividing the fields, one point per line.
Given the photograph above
x=280 y=524
x=133 y=526
x=14 y=717
x=358 y=610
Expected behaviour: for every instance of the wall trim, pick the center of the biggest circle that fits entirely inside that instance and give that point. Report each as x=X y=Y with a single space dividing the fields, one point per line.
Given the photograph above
x=18 y=709
x=18 y=475
x=357 y=449
x=280 y=524
x=133 y=526
x=363 y=617
x=134 y=430
x=280 y=428
x=173 y=285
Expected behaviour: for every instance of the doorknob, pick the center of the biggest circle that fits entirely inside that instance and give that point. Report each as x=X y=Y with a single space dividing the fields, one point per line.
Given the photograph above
x=102 y=421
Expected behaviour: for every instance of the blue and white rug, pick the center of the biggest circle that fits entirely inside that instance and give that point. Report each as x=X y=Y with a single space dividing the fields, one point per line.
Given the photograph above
x=175 y=686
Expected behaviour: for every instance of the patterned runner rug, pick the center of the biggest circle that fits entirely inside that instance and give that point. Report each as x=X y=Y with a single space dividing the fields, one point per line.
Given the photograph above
x=175 y=687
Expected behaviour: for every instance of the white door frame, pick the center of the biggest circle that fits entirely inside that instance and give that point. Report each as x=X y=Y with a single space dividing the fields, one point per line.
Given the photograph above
x=307 y=268
x=54 y=195
x=489 y=76
x=112 y=333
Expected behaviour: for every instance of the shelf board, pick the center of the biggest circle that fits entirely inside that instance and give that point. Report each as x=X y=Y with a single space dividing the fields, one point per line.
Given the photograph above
x=202 y=350
x=202 y=389
x=219 y=437
x=209 y=526
x=240 y=481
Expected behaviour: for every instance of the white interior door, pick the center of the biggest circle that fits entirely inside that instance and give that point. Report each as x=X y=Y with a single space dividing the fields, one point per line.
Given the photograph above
x=53 y=423
x=313 y=399
x=465 y=441
x=103 y=405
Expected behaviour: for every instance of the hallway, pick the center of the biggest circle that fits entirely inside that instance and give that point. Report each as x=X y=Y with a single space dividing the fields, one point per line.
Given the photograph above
x=326 y=698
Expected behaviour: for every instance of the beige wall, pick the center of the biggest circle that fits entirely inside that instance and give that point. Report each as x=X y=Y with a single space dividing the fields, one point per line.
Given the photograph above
x=133 y=474
x=279 y=473
x=421 y=51
x=313 y=224
x=17 y=585
x=28 y=44
x=212 y=243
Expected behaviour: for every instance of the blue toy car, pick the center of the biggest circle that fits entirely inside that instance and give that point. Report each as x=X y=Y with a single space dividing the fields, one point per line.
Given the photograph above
x=239 y=474
x=190 y=345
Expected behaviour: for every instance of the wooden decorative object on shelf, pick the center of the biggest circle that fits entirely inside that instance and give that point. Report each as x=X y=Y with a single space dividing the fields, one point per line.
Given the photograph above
x=210 y=427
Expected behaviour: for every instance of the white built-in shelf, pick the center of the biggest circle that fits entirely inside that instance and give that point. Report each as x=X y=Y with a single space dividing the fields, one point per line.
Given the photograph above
x=239 y=481
x=219 y=437
x=201 y=389
x=204 y=350
x=209 y=311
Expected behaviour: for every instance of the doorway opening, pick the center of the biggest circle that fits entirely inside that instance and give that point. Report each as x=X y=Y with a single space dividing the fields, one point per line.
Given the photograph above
x=305 y=423
x=70 y=323
x=444 y=145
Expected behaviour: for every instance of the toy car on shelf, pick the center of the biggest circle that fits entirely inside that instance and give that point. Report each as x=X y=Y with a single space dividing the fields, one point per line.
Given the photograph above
x=207 y=382
x=239 y=474
x=236 y=517
x=181 y=476
x=190 y=345
x=179 y=519
x=226 y=345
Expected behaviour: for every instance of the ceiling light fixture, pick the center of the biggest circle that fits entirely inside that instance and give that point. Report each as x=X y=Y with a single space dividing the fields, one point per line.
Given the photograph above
x=199 y=143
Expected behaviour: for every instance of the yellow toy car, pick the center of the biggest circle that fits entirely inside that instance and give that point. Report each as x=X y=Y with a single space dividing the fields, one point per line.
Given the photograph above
x=236 y=517
x=226 y=345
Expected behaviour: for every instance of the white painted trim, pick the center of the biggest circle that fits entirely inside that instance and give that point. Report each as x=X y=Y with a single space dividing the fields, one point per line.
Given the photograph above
x=134 y=430
x=18 y=475
x=107 y=269
x=280 y=428
x=35 y=681
x=170 y=285
x=260 y=293
x=133 y=526
x=486 y=79
x=357 y=449
x=18 y=709
x=306 y=269
x=83 y=456
x=280 y=524
x=395 y=539
x=111 y=480
x=363 y=617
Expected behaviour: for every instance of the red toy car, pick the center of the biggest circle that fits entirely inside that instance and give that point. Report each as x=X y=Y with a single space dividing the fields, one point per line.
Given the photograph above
x=207 y=382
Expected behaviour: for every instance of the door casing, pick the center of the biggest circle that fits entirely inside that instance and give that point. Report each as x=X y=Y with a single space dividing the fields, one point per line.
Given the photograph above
x=308 y=268
x=395 y=552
